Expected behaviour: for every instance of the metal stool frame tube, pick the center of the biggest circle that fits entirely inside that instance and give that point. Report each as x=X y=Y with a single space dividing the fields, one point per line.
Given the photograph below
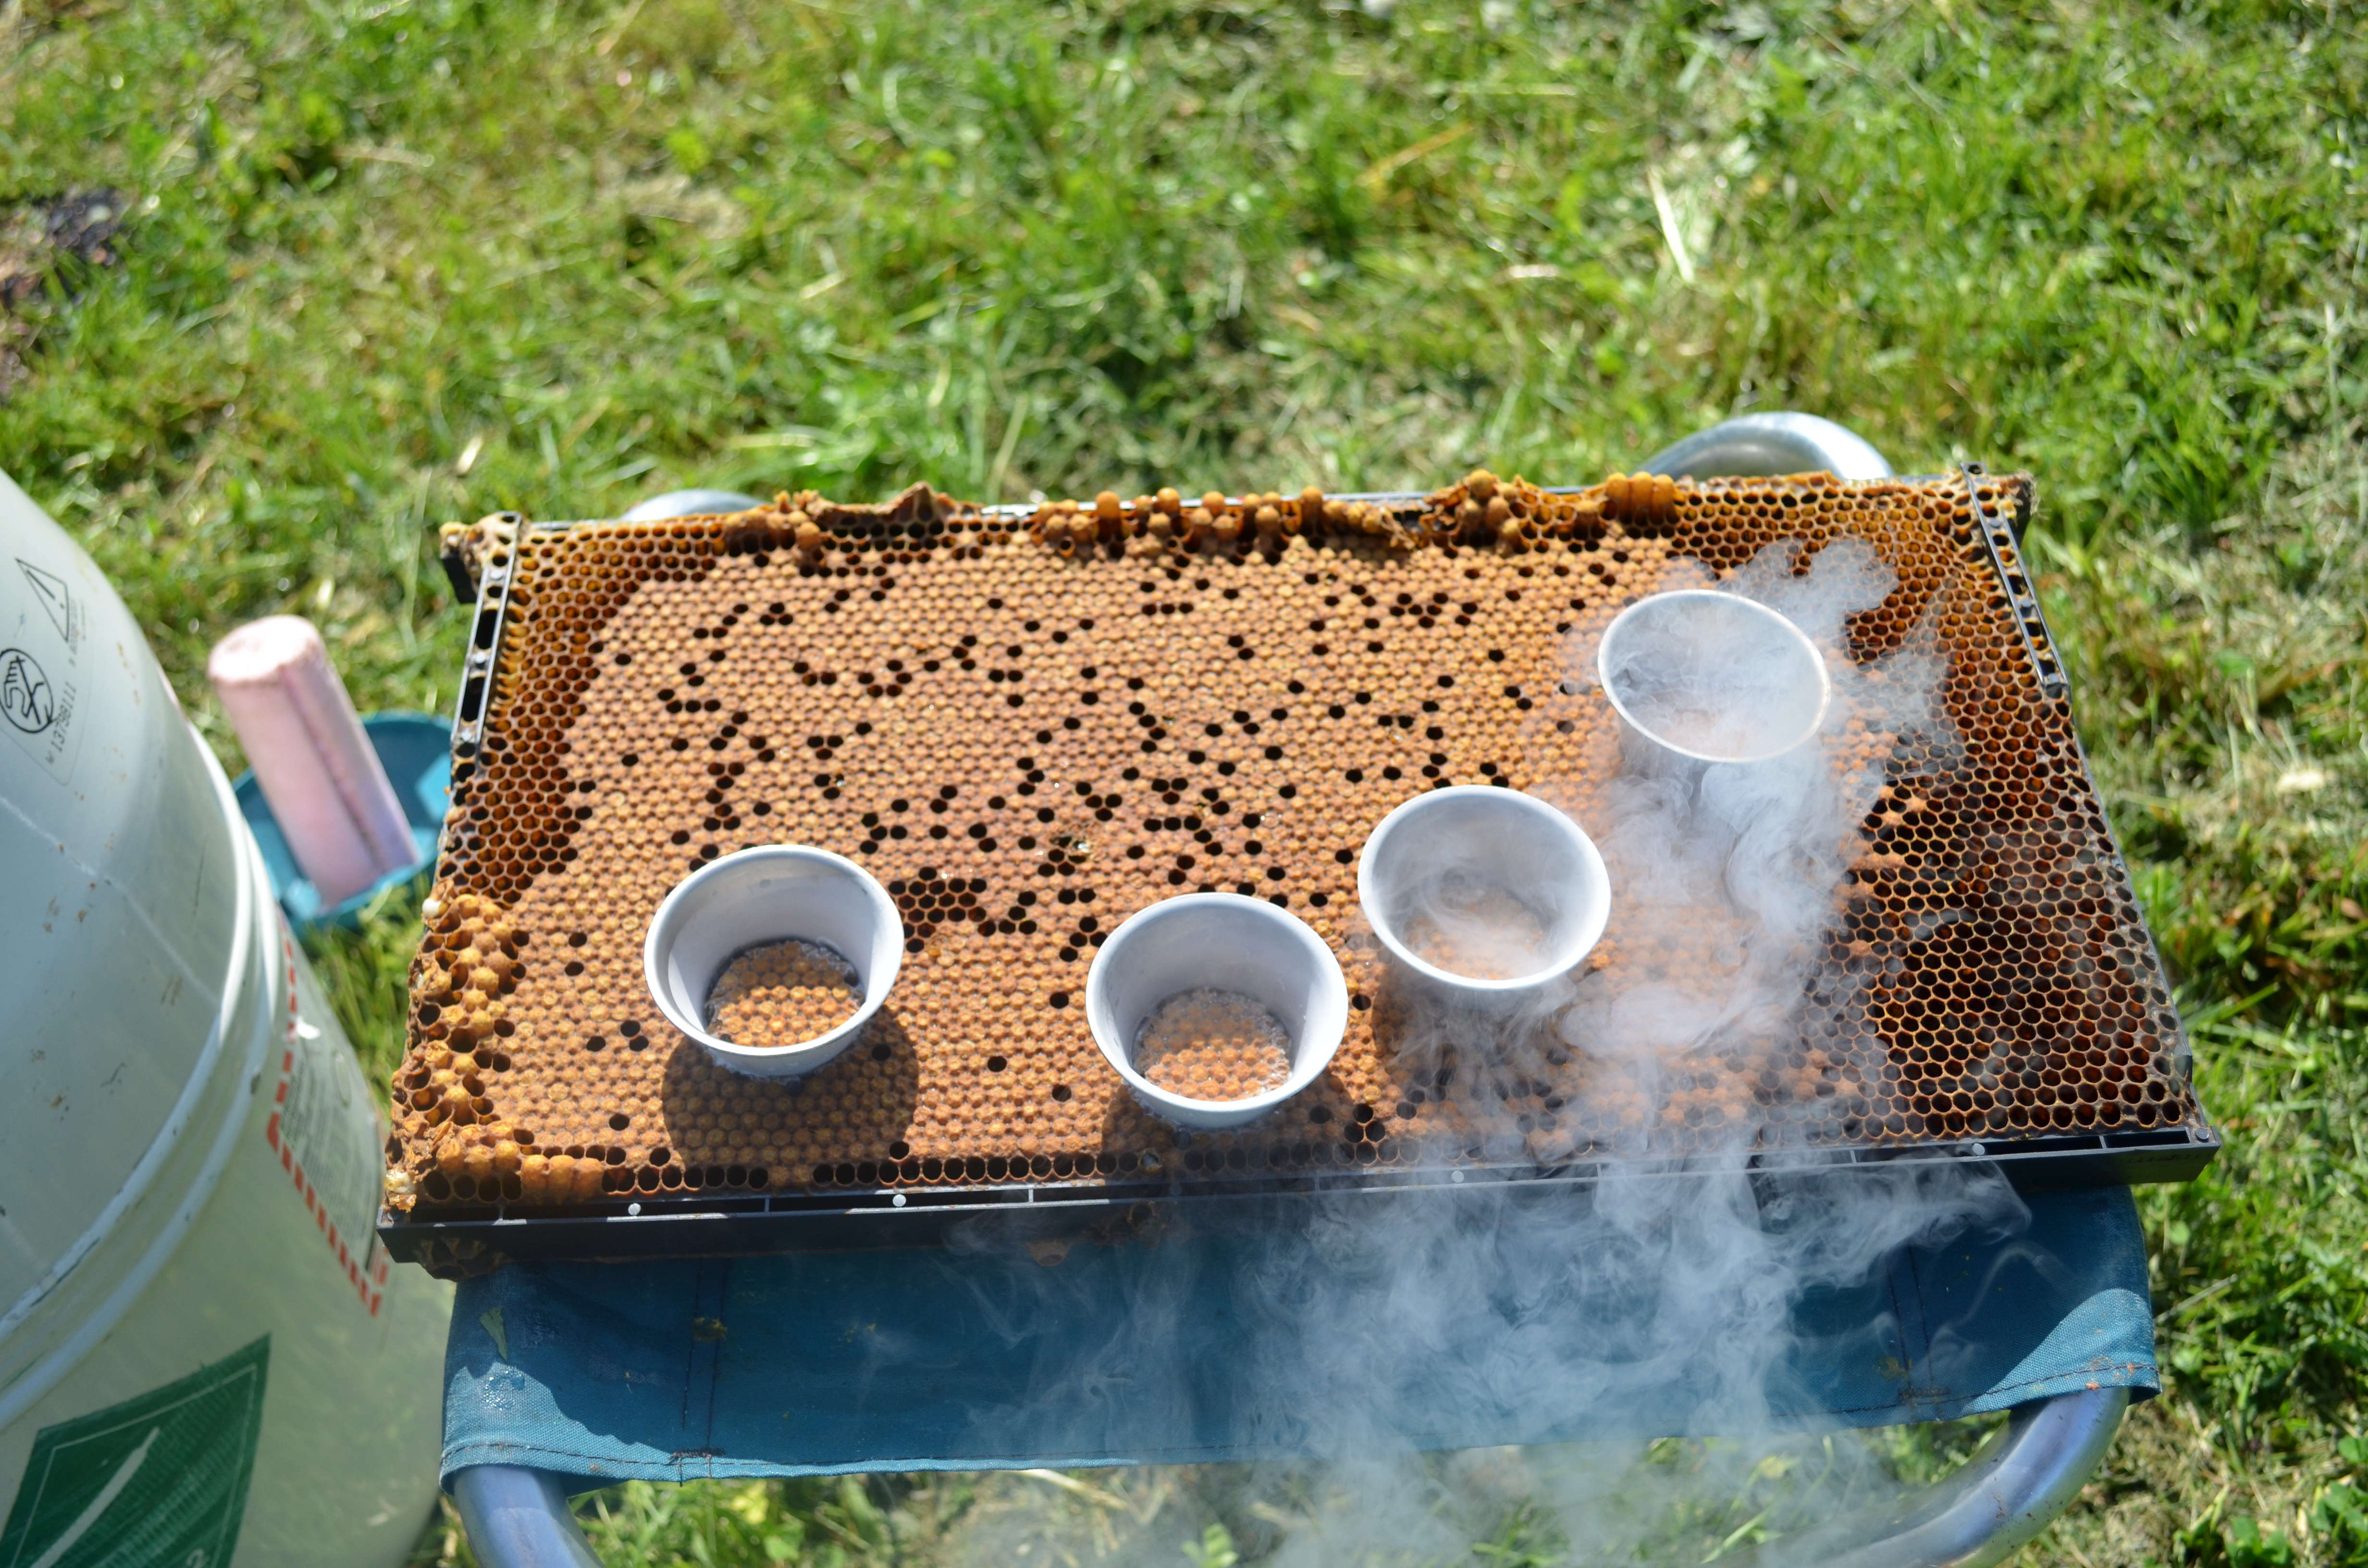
x=519 y=1518
x=2013 y=1488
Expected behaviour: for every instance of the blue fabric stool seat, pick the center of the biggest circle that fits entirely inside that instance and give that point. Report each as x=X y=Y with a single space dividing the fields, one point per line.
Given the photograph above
x=1514 y=1327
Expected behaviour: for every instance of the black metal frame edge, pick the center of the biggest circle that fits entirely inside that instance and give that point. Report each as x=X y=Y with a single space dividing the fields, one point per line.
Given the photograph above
x=883 y=1218
x=2023 y=601
x=480 y=669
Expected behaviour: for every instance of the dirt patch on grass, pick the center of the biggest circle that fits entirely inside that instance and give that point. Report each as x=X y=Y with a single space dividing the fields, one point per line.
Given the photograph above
x=35 y=235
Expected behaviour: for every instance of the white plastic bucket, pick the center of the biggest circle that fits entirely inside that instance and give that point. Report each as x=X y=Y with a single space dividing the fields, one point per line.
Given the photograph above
x=198 y=1336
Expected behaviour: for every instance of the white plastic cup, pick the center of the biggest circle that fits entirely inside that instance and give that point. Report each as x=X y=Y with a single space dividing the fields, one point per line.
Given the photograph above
x=775 y=893
x=1487 y=836
x=1713 y=676
x=1219 y=941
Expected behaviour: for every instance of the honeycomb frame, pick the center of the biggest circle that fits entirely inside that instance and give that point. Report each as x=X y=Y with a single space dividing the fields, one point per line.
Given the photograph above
x=1029 y=721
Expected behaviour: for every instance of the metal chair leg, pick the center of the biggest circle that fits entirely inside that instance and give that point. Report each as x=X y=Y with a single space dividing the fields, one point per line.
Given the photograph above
x=2011 y=1489
x=519 y=1518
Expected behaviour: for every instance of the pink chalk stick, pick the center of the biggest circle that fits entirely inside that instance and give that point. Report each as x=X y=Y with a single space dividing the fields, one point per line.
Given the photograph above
x=317 y=767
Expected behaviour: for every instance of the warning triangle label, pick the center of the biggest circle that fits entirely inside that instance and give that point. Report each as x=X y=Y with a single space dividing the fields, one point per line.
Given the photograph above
x=56 y=598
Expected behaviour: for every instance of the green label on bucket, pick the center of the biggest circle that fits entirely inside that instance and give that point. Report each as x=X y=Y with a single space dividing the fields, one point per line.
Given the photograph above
x=156 y=1481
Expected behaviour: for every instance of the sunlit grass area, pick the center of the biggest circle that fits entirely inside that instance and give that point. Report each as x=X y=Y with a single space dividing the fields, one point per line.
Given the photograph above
x=286 y=284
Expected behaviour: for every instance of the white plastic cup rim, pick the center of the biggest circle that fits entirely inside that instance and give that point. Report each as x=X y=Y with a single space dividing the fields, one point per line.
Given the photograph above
x=1227 y=942
x=771 y=893
x=1807 y=665
x=1586 y=885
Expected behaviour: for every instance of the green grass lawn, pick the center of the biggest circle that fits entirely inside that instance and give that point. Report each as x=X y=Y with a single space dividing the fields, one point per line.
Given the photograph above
x=382 y=263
